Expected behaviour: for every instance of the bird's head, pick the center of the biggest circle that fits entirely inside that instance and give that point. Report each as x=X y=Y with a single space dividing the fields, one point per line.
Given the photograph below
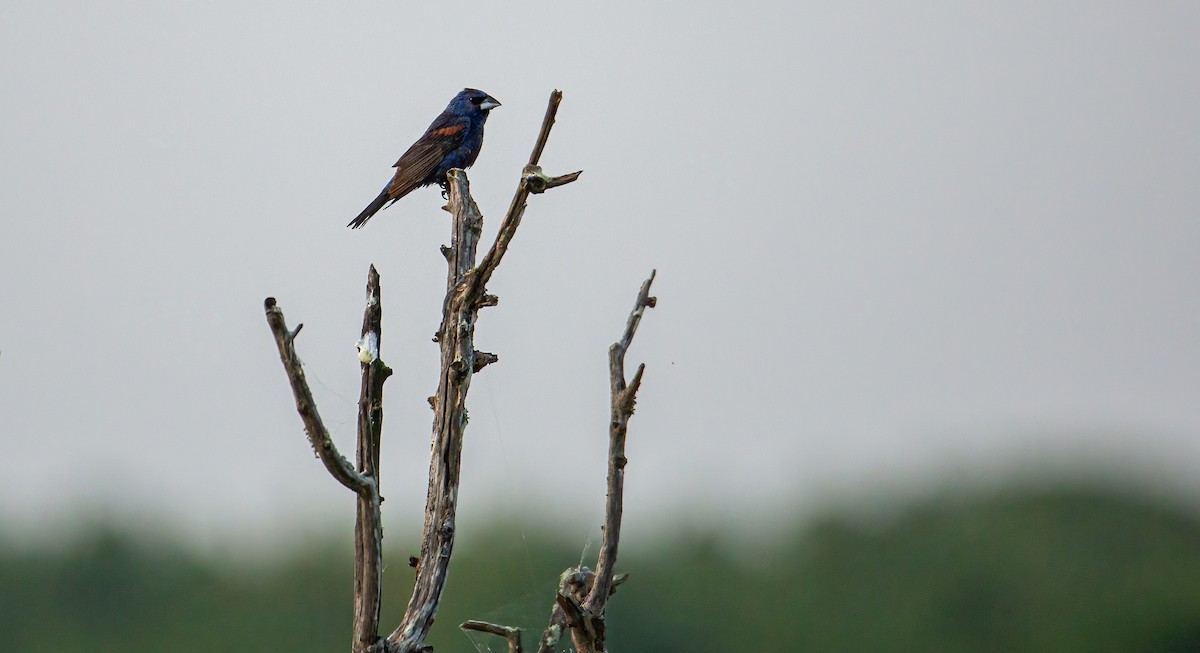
x=470 y=100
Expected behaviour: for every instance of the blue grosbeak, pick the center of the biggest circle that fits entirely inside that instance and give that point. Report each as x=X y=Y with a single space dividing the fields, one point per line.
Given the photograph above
x=452 y=141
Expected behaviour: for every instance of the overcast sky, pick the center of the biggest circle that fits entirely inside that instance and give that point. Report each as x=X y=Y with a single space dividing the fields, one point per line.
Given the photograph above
x=895 y=241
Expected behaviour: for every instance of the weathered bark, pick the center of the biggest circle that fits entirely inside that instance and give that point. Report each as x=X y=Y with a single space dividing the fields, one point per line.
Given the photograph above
x=582 y=595
x=363 y=480
x=368 y=522
x=466 y=286
x=586 y=618
x=513 y=635
x=456 y=337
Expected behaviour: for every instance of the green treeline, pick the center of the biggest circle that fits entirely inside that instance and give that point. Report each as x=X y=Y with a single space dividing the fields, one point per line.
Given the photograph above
x=1048 y=570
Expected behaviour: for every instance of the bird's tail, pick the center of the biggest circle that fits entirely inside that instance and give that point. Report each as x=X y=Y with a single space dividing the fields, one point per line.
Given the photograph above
x=371 y=210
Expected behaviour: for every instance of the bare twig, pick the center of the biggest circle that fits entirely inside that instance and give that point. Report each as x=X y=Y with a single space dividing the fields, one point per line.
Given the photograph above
x=547 y=122
x=513 y=635
x=516 y=209
x=483 y=359
x=539 y=182
x=318 y=436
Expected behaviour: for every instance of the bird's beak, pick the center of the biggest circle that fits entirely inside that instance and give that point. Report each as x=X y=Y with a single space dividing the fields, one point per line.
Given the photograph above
x=489 y=103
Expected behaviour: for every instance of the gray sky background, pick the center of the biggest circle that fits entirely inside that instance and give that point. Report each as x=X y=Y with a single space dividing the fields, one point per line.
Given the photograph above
x=896 y=242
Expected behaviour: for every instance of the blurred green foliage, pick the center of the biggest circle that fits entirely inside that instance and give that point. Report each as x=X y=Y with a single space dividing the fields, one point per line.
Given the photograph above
x=1034 y=570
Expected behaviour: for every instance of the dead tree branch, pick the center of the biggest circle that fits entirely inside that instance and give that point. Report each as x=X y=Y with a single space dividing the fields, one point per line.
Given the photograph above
x=364 y=481
x=368 y=522
x=585 y=615
x=533 y=180
x=456 y=337
x=314 y=428
x=573 y=587
x=622 y=404
x=513 y=635
x=466 y=293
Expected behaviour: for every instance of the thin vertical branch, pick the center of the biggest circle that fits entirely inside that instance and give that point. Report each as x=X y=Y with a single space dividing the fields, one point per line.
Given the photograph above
x=586 y=617
x=547 y=122
x=368 y=523
x=622 y=403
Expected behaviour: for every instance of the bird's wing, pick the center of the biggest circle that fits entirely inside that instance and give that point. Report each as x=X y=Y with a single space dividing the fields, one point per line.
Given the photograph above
x=417 y=166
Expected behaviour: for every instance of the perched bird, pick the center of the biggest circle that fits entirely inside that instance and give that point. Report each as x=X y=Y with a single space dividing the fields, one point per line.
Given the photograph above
x=452 y=141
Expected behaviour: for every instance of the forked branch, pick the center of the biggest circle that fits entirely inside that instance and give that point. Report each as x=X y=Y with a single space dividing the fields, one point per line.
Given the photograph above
x=585 y=615
x=466 y=293
x=363 y=480
x=623 y=398
x=533 y=180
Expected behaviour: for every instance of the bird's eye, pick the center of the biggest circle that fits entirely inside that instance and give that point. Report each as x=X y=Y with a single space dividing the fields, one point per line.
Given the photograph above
x=476 y=100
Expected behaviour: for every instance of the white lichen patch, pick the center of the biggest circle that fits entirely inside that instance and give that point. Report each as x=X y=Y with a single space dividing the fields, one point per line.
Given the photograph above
x=368 y=347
